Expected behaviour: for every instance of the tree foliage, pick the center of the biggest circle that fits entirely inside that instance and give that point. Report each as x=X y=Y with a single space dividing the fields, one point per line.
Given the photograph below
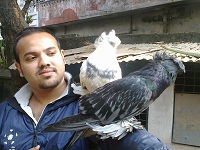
x=12 y=20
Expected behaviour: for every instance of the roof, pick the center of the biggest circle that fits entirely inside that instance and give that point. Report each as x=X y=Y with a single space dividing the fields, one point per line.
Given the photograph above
x=184 y=51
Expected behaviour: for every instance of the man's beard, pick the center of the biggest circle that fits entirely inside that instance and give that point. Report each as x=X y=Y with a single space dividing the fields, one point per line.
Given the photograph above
x=48 y=86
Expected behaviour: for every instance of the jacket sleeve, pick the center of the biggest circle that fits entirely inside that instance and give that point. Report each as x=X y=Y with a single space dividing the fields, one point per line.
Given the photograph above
x=3 y=112
x=137 y=140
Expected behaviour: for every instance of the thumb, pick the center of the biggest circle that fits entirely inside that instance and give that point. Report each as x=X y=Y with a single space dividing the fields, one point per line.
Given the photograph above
x=35 y=148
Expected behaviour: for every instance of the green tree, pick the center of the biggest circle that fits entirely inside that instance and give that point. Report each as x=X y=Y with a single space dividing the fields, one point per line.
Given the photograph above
x=12 y=20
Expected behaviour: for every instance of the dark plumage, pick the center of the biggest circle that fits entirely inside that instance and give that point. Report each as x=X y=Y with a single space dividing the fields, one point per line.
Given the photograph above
x=122 y=99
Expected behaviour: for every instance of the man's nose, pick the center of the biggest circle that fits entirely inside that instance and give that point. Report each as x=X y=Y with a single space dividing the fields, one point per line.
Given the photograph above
x=44 y=60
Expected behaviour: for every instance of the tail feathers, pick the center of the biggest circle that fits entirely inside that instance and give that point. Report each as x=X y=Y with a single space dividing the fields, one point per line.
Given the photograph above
x=79 y=90
x=77 y=135
x=116 y=130
x=73 y=123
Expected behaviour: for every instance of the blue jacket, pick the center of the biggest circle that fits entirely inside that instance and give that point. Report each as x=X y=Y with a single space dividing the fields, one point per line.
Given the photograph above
x=18 y=131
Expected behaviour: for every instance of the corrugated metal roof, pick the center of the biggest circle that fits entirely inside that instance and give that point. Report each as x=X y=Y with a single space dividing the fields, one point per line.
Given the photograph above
x=132 y=52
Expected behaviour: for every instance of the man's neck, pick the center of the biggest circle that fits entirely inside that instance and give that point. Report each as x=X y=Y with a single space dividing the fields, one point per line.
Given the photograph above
x=41 y=98
x=46 y=96
x=27 y=97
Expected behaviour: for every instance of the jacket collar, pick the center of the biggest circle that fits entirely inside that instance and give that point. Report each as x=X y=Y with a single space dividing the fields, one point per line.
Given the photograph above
x=21 y=99
x=24 y=94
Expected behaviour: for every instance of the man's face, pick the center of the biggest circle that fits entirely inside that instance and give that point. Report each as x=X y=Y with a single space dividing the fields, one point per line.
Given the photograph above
x=41 y=61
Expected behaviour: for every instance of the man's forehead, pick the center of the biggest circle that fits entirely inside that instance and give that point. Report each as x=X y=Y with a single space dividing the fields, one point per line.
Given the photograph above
x=40 y=36
x=45 y=34
x=36 y=40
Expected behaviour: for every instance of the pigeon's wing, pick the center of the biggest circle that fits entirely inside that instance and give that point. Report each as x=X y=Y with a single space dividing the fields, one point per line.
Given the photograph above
x=73 y=123
x=114 y=101
x=77 y=123
x=117 y=100
x=77 y=135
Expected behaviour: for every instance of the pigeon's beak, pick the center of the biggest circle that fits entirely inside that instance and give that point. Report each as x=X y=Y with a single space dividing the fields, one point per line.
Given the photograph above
x=181 y=71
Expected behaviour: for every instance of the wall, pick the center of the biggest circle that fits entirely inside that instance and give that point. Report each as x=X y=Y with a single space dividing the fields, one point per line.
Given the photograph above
x=70 y=10
x=161 y=115
x=165 y=19
x=186 y=129
x=160 y=120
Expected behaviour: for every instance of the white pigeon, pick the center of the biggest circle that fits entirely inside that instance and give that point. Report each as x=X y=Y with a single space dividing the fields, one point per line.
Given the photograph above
x=101 y=67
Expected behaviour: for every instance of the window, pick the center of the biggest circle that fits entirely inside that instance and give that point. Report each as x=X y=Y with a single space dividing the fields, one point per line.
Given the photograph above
x=186 y=126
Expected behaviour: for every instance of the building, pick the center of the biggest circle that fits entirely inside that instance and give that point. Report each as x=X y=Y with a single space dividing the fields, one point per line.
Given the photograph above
x=32 y=12
x=144 y=24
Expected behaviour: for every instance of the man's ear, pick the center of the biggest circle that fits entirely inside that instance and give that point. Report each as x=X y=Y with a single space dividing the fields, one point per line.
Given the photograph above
x=62 y=53
x=17 y=65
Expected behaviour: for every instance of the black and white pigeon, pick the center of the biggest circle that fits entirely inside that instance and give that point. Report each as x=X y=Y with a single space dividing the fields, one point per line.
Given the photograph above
x=101 y=66
x=107 y=109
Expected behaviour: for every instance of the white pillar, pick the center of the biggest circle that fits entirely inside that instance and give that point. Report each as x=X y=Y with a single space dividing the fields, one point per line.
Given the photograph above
x=161 y=116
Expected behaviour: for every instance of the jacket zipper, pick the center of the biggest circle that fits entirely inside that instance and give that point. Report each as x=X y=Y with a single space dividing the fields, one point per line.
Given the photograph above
x=13 y=103
x=34 y=135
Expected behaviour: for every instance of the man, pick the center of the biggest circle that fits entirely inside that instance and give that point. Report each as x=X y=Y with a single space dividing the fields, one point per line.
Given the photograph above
x=48 y=98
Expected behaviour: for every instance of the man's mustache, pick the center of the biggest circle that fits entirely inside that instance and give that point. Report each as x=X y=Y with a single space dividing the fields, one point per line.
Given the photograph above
x=46 y=69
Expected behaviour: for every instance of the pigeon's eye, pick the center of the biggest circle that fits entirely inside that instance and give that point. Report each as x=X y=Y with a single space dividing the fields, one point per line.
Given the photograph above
x=172 y=75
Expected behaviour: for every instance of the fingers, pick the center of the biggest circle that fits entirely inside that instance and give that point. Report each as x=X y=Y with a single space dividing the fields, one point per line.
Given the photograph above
x=35 y=148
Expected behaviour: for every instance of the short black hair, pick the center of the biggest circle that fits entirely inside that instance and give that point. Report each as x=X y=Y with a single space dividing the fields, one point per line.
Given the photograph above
x=29 y=31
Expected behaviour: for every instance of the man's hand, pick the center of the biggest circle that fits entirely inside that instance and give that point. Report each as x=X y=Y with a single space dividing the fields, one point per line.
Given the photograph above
x=35 y=148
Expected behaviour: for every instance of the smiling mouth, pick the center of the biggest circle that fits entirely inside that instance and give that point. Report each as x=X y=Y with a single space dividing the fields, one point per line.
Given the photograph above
x=46 y=71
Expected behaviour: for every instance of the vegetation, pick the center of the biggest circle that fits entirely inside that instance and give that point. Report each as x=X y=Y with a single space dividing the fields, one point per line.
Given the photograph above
x=3 y=61
x=12 y=20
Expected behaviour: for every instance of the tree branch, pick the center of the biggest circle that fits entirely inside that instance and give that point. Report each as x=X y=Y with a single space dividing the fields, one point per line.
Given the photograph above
x=26 y=6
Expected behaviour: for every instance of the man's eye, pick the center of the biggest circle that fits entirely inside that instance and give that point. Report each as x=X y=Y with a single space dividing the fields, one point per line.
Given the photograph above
x=51 y=53
x=30 y=58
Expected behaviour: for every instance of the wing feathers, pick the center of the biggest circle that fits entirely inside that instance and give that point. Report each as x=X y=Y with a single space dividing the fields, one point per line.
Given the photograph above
x=73 y=123
x=116 y=100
